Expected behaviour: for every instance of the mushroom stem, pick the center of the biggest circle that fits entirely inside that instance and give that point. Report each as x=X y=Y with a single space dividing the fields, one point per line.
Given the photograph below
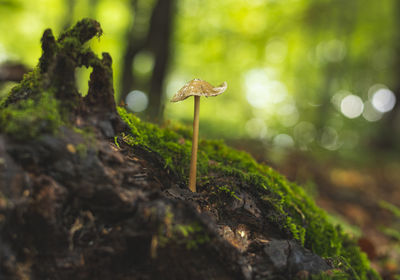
x=193 y=162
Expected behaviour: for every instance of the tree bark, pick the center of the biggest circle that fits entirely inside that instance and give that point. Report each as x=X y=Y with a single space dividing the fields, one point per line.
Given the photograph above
x=69 y=13
x=388 y=137
x=12 y=72
x=154 y=38
x=159 y=40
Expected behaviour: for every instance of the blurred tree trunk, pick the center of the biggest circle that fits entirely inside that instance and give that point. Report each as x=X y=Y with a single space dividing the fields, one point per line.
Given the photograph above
x=159 y=43
x=150 y=31
x=343 y=23
x=388 y=137
x=92 y=8
x=68 y=20
x=69 y=14
x=135 y=41
x=12 y=72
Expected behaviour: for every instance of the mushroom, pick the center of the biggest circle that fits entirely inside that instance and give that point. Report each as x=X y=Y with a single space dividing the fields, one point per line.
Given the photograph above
x=196 y=88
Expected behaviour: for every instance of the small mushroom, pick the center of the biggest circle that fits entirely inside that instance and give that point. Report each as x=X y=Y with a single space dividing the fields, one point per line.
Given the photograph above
x=196 y=88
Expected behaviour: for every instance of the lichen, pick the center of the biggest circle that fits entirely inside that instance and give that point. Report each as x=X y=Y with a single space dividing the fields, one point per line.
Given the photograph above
x=294 y=211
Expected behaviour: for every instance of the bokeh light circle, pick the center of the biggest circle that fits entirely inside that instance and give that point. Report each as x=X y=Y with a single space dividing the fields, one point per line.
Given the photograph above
x=137 y=101
x=352 y=106
x=383 y=100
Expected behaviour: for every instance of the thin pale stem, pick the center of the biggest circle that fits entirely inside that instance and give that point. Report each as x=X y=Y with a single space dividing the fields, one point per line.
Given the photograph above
x=193 y=162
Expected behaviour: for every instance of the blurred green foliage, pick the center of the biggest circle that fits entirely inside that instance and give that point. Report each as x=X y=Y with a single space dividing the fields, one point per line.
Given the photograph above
x=289 y=64
x=392 y=231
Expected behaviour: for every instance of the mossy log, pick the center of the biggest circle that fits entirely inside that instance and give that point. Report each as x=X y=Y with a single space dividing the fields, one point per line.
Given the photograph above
x=88 y=191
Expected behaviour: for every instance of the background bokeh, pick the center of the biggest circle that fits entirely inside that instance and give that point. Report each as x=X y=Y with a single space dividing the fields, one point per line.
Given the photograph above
x=319 y=76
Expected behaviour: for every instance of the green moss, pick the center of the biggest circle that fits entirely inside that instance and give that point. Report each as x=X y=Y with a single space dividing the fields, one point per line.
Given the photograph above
x=30 y=118
x=47 y=97
x=331 y=275
x=82 y=149
x=116 y=142
x=227 y=190
x=294 y=211
x=189 y=235
x=30 y=85
x=87 y=134
x=83 y=31
x=148 y=136
x=56 y=69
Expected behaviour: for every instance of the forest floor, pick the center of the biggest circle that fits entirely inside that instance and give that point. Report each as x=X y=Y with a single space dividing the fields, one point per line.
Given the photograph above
x=359 y=198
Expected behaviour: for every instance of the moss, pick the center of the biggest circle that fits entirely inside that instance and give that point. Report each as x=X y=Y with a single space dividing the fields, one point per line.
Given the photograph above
x=193 y=235
x=47 y=97
x=83 y=31
x=171 y=232
x=56 y=68
x=87 y=134
x=189 y=235
x=227 y=190
x=293 y=210
x=49 y=48
x=148 y=135
x=30 y=85
x=82 y=149
x=331 y=275
x=116 y=142
x=31 y=118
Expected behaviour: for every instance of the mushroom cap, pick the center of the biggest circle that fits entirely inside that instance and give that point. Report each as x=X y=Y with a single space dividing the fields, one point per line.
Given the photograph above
x=198 y=87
